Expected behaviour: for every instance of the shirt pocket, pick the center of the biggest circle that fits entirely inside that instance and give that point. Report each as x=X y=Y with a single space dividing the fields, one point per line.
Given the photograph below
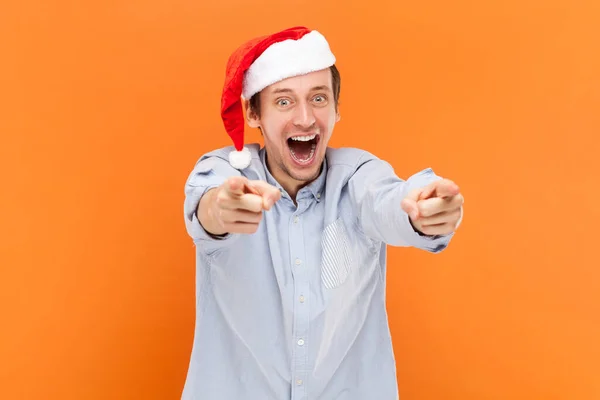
x=336 y=256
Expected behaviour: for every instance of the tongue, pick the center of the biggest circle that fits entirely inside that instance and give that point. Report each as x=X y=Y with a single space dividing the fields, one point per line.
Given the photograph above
x=301 y=150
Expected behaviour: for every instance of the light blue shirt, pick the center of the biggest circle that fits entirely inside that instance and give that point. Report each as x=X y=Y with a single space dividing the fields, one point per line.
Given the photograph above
x=296 y=311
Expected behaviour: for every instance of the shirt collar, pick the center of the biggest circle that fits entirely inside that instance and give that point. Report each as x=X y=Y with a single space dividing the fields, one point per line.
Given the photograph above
x=315 y=188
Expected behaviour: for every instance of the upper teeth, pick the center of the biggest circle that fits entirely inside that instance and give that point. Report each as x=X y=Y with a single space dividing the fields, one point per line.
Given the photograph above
x=304 y=138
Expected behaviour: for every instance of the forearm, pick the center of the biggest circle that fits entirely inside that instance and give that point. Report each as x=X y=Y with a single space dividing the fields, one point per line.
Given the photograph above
x=381 y=215
x=208 y=174
x=383 y=219
x=379 y=194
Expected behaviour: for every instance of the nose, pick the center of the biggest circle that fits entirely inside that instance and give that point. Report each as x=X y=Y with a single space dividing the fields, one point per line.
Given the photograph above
x=304 y=116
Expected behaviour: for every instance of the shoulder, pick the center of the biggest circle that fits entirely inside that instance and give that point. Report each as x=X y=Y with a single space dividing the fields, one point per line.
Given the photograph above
x=351 y=158
x=356 y=165
x=346 y=164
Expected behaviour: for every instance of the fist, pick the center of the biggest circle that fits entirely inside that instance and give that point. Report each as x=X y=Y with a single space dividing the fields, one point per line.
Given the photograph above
x=238 y=204
x=435 y=209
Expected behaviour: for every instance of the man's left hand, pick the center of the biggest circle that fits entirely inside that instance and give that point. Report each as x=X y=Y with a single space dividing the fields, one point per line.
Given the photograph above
x=435 y=209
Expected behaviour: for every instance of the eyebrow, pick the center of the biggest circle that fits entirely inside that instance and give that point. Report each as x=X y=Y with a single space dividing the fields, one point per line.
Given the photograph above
x=322 y=87
x=286 y=90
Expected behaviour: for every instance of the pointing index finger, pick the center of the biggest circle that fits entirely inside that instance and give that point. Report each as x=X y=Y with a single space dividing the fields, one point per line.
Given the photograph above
x=447 y=188
x=269 y=192
x=440 y=188
x=235 y=185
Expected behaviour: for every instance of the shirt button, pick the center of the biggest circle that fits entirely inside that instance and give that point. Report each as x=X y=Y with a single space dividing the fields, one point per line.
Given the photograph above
x=296 y=219
x=301 y=299
x=318 y=195
x=298 y=381
x=301 y=342
x=298 y=261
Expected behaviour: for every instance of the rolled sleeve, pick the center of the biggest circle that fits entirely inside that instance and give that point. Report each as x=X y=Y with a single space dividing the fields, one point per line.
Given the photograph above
x=208 y=173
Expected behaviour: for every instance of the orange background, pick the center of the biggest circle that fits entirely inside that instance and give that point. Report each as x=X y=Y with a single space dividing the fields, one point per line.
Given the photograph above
x=106 y=106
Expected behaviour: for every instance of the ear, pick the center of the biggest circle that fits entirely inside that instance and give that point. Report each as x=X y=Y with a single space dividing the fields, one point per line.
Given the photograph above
x=337 y=116
x=251 y=118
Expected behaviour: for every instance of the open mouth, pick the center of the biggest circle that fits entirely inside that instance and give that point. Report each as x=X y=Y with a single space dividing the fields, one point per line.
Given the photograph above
x=303 y=148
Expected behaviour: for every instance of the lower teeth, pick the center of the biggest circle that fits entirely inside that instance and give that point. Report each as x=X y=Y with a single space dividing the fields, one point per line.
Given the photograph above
x=310 y=155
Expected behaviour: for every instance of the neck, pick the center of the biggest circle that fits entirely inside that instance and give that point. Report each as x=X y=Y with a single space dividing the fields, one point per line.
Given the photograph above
x=292 y=186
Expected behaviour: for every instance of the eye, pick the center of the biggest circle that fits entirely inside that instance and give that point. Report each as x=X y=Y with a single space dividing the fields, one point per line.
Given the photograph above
x=320 y=99
x=283 y=102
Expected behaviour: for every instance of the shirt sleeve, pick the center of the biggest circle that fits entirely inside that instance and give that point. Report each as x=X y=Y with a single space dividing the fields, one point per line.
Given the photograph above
x=208 y=173
x=378 y=192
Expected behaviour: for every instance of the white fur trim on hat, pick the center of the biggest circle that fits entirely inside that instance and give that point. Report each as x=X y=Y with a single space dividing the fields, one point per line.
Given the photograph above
x=240 y=159
x=286 y=59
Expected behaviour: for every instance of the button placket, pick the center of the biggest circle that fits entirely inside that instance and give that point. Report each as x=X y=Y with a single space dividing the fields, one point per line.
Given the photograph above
x=300 y=273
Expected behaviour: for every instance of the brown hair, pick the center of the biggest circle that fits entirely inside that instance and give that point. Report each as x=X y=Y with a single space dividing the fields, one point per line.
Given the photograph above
x=336 y=81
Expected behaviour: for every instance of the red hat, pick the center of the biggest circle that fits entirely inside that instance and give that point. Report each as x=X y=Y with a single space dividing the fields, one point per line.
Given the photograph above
x=261 y=62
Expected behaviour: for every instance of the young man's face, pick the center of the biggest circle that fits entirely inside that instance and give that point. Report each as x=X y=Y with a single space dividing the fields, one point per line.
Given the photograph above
x=297 y=116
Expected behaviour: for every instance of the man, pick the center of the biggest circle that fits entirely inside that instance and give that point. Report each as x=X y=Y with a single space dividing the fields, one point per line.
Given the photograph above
x=291 y=238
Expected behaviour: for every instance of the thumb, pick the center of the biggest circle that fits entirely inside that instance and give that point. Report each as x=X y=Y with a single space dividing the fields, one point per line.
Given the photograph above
x=410 y=207
x=269 y=193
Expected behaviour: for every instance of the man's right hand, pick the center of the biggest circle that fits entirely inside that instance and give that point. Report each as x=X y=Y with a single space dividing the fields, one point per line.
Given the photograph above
x=236 y=206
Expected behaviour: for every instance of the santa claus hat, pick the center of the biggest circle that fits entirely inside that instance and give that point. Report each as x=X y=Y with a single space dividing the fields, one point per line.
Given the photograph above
x=261 y=62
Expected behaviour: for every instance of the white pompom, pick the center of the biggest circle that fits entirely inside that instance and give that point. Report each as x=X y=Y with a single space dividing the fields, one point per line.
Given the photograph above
x=240 y=159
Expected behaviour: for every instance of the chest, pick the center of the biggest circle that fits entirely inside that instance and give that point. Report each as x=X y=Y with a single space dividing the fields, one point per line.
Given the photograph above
x=313 y=250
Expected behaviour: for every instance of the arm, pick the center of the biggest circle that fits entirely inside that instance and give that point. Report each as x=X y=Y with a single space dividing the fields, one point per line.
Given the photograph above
x=220 y=203
x=378 y=193
x=208 y=174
